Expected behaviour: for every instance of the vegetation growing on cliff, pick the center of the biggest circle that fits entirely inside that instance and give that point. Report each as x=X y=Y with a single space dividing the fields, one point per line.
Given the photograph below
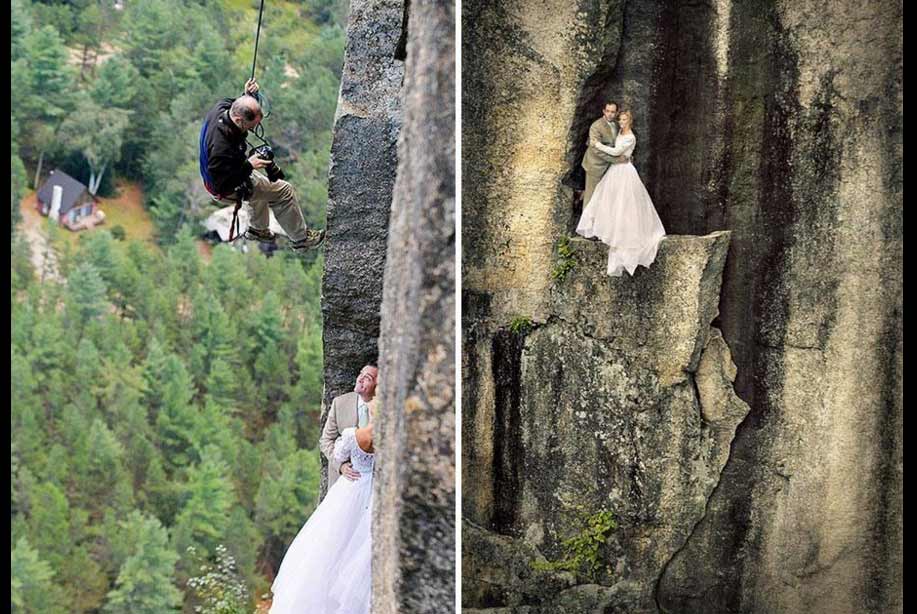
x=218 y=588
x=582 y=552
x=566 y=259
x=521 y=325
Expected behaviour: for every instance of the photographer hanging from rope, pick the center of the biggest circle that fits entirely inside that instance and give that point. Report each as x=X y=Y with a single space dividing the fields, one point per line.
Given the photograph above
x=233 y=174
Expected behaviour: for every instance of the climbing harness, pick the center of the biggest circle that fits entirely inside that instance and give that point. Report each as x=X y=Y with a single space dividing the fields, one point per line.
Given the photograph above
x=234 y=225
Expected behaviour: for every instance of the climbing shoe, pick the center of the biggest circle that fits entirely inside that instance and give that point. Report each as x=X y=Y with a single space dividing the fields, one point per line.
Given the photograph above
x=312 y=240
x=259 y=235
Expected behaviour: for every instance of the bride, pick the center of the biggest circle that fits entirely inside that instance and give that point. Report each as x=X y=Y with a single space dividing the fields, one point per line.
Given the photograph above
x=327 y=567
x=620 y=212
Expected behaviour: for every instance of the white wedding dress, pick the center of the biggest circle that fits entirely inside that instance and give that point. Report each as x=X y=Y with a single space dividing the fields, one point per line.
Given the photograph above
x=621 y=213
x=326 y=570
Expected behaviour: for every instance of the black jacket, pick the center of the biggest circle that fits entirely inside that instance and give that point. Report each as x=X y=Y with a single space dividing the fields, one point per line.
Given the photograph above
x=224 y=164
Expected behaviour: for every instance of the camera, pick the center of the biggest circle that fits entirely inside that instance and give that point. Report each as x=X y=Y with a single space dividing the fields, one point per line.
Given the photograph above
x=273 y=171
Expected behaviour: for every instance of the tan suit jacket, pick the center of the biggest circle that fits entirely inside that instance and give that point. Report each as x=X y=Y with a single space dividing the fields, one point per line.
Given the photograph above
x=596 y=162
x=342 y=415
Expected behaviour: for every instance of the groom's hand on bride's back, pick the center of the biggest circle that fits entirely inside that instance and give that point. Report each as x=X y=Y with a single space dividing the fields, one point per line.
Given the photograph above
x=348 y=472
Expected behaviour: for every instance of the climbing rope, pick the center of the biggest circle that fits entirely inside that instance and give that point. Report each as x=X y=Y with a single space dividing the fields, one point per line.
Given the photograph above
x=260 y=96
x=257 y=38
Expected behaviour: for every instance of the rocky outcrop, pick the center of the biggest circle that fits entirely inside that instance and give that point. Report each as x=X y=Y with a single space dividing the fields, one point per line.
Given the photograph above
x=414 y=509
x=623 y=402
x=390 y=284
x=782 y=123
x=361 y=180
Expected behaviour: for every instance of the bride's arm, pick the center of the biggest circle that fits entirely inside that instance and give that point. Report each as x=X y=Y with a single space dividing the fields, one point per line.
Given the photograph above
x=344 y=445
x=617 y=150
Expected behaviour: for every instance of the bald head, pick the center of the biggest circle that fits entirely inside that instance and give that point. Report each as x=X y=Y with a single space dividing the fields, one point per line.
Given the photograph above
x=246 y=112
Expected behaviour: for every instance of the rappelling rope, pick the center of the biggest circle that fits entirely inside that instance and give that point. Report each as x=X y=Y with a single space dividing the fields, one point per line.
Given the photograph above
x=259 y=96
x=257 y=38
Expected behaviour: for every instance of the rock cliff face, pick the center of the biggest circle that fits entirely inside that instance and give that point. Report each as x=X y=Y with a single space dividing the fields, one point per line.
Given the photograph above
x=414 y=525
x=621 y=400
x=782 y=123
x=390 y=284
x=364 y=160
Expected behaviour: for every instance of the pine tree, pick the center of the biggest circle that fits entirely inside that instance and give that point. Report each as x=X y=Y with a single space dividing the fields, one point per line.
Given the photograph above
x=49 y=523
x=161 y=496
x=20 y=27
x=305 y=394
x=90 y=23
x=18 y=179
x=22 y=271
x=87 y=296
x=44 y=83
x=83 y=580
x=244 y=541
x=150 y=34
x=47 y=95
x=177 y=419
x=204 y=518
x=221 y=384
x=32 y=586
x=98 y=249
x=105 y=471
x=145 y=583
x=25 y=408
x=289 y=489
x=184 y=257
x=90 y=373
x=214 y=334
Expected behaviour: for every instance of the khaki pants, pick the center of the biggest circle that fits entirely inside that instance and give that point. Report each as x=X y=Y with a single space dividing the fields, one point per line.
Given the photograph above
x=278 y=197
x=592 y=180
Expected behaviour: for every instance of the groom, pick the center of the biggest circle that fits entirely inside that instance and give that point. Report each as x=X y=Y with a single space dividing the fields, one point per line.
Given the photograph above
x=347 y=410
x=595 y=161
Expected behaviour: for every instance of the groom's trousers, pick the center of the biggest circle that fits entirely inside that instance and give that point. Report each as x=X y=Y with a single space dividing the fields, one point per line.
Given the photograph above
x=592 y=180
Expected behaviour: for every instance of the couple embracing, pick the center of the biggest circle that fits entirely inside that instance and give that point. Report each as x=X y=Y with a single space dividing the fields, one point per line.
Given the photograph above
x=617 y=209
x=327 y=569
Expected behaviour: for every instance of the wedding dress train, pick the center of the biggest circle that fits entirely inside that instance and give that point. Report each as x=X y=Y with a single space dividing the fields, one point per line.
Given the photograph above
x=326 y=570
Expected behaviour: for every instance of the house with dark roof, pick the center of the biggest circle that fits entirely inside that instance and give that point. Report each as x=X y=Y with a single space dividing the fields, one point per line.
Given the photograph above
x=76 y=209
